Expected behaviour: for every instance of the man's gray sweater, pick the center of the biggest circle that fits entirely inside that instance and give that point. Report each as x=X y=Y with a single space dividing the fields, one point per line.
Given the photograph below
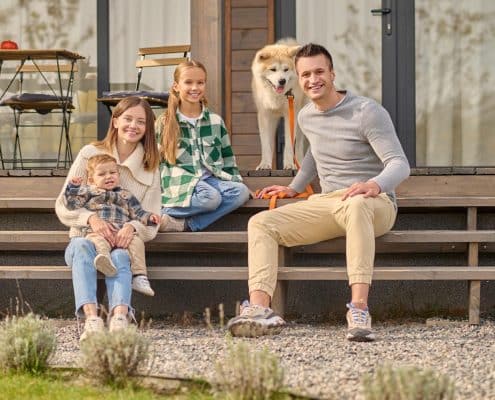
x=353 y=142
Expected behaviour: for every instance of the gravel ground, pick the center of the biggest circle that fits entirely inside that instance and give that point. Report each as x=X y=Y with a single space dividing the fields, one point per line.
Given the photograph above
x=317 y=359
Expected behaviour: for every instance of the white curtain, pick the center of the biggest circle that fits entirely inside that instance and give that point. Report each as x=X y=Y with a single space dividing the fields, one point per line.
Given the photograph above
x=351 y=35
x=455 y=83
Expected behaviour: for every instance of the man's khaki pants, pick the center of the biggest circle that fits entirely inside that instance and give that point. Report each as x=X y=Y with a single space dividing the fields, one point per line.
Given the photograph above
x=321 y=217
x=135 y=250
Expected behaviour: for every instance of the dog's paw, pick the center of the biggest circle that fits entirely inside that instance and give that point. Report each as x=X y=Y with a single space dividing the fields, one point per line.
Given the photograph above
x=263 y=165
x=290 y=166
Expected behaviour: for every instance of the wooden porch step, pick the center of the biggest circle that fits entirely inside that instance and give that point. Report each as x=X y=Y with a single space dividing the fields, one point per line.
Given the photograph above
x=58 y=240
x=422 y=273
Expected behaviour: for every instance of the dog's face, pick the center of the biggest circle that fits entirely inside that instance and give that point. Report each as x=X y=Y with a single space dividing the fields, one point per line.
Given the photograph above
x=274 y=64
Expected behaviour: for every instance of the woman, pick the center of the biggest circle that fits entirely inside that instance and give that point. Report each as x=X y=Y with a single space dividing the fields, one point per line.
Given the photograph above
x=131 y=141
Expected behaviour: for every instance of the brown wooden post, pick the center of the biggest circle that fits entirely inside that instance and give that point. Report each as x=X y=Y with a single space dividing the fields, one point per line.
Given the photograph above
x=473 y=259
x=280 y=295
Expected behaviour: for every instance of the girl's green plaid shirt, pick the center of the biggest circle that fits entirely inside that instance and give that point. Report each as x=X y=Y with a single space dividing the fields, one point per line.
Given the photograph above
x=205 y=145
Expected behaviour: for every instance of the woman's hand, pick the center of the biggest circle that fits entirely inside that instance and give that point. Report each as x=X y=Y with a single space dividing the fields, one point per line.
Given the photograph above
x=277 y=189
x=124 y=236
x=103 y=228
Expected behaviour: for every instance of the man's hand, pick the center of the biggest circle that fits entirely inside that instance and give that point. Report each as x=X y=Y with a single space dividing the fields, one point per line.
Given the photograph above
x=124 y=236
x=76 y=181
x=155 y=219
x=277 y=189
x=103 y=228
x=367 y=189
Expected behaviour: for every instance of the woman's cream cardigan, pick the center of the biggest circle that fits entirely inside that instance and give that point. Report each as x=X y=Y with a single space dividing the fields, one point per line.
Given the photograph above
x=145 y=185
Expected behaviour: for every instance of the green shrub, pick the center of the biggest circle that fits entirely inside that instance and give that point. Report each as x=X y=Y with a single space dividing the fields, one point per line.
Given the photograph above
x=26 y=343
x=407 y=383
x=113 y=357
x=244 y=374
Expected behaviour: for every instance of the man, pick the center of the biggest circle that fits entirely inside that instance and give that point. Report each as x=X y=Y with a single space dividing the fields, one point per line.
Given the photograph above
x=357 y=156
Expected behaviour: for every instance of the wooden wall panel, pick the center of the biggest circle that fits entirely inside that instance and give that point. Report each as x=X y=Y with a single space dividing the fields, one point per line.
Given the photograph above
x=249 y=38
x=249 y=18
x=241 y=81
x=249 y=3
x=249 y=25
x=242 y=59
x=245 y=123
x=243 y=102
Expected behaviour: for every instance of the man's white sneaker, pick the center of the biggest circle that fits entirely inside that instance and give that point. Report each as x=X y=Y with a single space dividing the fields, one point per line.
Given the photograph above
x=255 y=321
x=172 y=224
x=359 y=325
x=118 y=322
x=104 y=264
x=141 y=284
x=92 y=325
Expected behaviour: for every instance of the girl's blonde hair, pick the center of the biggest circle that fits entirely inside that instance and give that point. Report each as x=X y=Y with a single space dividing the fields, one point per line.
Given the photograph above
x=171 y=129
x=151 y=157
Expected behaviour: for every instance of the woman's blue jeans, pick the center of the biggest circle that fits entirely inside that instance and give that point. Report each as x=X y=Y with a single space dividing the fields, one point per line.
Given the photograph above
x=80 y=255
x=212 y=198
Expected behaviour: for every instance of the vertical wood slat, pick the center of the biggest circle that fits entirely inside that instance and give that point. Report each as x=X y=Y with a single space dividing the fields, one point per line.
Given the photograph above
x=474 y=287
x=280 y=294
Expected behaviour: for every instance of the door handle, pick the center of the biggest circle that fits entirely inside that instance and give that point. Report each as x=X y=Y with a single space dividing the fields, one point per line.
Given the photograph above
x=378 y=12
x=387 y=13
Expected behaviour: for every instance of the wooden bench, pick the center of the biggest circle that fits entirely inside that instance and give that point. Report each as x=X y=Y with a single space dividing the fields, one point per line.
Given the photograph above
x=469 y=240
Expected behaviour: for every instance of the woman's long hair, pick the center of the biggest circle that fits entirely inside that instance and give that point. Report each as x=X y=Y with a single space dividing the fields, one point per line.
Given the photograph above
x=171 y=129
x=151 y=158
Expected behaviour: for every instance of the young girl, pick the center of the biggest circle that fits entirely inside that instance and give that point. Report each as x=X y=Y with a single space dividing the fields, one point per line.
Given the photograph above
x=200 y=178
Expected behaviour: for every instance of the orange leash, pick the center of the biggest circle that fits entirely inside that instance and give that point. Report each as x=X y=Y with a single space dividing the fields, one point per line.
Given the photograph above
x=309 y=190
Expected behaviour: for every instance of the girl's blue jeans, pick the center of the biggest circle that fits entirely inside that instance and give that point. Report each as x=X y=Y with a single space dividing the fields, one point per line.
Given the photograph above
x=80 y=255
x=212 y=198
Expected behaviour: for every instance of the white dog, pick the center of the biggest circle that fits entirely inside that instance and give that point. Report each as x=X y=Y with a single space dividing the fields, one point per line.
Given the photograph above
x=274 y=76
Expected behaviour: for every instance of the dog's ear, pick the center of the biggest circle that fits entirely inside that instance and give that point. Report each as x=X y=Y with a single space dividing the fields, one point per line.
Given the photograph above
x=293 y=50
x=262 y=56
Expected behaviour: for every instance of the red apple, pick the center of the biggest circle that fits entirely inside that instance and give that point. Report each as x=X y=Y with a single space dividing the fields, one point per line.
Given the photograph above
x=8 y=45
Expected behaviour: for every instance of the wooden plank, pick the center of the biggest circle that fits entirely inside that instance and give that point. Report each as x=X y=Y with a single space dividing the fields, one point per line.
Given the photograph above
x=181 y=48
x=242 y=59
x=66 y=68
x=241 y=81
x=446 y=273
x=39 y=240
x=242 y=102
x=253 y=149
x=474 y=287
x=444 y=201
x=248 y=39
x=245 y=140
x=447 y=185
x=249 y=17
x=31 y=186
x=247 y=162
x=48 y=203
x=159 y=62
x=245 y=123
x=249 y=3
x=279 y=299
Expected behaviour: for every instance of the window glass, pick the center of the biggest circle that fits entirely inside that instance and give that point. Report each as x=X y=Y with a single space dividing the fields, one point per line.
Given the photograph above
x=50 y=24
x=455 y=82
x=351 y=35
x=137 y=23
